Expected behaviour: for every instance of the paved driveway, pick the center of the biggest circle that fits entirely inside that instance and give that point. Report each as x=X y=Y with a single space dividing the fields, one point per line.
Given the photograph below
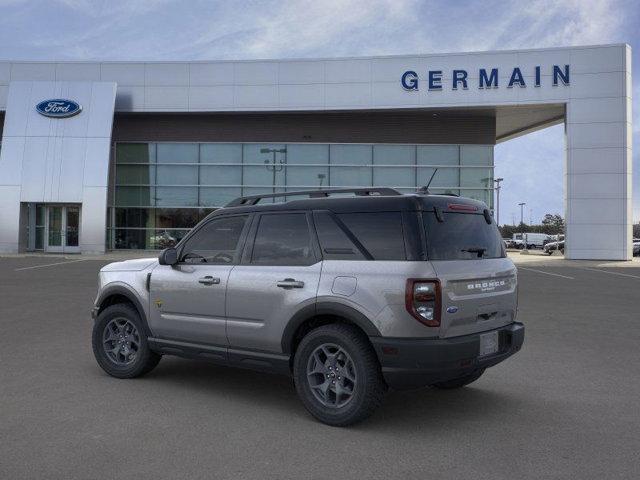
x=567 y=406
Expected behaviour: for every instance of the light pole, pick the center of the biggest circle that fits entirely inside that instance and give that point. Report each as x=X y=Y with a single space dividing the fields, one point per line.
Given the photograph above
x=522 y=212
x=497 y=182
x=273 y=165
x=524 y=235
x=321 y=177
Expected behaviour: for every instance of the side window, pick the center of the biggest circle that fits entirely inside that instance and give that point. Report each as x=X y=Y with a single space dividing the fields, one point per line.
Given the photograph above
x=283 y=239
x=334 y=242
x=380 y=233
x=215 y=243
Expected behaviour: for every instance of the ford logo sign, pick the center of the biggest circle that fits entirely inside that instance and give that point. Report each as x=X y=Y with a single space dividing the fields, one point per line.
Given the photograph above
x=58 y=108
x=452 y=309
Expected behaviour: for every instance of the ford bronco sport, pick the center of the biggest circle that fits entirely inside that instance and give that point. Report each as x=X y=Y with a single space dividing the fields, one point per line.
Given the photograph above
x=348 y=291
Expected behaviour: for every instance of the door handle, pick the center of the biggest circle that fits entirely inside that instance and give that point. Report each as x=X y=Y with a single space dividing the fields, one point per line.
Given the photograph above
x=209 y=280
x=290 y=283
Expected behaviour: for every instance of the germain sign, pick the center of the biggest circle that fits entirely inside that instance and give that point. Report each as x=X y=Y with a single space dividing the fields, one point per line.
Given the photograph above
x=58 y=108
x=487 y=78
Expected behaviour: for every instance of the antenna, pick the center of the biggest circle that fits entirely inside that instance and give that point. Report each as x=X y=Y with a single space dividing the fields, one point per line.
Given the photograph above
x=425 y=190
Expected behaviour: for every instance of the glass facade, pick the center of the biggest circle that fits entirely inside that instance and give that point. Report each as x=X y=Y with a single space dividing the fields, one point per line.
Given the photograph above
x=163 y=189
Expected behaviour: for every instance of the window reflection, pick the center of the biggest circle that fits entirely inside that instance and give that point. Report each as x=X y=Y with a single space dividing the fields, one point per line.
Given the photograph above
x=161 y=189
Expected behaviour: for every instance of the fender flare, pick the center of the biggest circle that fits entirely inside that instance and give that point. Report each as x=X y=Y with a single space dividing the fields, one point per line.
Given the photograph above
x=326 y=308
x=117 y=289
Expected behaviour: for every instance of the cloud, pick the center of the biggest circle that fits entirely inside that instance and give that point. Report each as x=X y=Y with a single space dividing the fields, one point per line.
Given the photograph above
x=248 y=29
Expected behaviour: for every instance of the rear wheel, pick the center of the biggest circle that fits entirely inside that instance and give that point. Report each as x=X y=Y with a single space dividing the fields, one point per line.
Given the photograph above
x=337 y=375
x=460 y=381
x=120 y=344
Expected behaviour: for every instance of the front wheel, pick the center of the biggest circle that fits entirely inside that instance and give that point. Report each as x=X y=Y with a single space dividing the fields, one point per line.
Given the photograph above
x=120 y=344
x=337 y=375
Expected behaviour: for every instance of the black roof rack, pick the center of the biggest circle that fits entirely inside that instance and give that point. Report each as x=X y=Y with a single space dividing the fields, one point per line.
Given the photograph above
x=360 y=192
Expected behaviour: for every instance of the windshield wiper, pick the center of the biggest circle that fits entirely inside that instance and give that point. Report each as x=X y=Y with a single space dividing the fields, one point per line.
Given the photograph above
x=479 y=250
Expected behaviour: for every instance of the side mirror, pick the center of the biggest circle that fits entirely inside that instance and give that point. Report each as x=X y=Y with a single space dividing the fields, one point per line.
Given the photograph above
x=169 y=256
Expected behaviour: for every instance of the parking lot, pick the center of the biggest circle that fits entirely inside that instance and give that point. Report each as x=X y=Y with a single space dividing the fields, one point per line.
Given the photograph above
x=566 y=406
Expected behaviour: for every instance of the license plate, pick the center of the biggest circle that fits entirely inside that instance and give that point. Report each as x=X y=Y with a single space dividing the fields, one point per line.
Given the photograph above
x=488 y=343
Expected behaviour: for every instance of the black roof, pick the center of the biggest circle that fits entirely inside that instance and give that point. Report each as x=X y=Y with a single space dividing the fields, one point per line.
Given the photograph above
x=359 y=203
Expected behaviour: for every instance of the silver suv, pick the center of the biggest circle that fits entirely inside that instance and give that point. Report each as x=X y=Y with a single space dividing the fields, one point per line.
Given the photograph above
x=348 y=291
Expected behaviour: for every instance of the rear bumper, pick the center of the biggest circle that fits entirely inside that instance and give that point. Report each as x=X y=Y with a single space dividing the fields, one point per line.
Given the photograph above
x=412 y=363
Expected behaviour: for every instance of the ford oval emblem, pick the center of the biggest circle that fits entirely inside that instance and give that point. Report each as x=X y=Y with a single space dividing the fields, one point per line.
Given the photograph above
x=452 y=309
x=58 y=108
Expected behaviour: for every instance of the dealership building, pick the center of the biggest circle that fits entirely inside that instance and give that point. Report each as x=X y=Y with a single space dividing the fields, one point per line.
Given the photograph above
x=129 y=155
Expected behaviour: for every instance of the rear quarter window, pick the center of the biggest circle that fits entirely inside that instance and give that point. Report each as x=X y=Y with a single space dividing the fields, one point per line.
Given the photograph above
x=462 y=236
x=380 y=233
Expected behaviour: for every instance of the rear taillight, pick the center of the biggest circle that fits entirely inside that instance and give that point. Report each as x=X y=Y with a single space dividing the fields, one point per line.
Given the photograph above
x=422 y=298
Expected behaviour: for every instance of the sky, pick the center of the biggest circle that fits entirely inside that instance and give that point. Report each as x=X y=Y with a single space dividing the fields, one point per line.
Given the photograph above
x=532 y=165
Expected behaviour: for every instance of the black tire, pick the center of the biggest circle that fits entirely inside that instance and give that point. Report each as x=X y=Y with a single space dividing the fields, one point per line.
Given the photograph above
x=143 y=359
x=368 y=389
x=460 y=381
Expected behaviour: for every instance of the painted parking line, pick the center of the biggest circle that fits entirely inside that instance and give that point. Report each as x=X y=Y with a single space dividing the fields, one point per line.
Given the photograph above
x=48 y=265
x=611 y=273
x=546 y=273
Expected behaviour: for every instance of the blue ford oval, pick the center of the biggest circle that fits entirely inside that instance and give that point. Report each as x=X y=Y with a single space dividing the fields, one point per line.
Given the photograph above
x=58 y=108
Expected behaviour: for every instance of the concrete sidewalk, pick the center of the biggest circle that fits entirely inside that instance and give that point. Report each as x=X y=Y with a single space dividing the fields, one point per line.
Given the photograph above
x=536 y=257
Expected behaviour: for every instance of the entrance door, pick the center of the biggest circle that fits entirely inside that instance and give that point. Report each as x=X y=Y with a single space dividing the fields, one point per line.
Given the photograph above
x=54 y=230
x=62 y=229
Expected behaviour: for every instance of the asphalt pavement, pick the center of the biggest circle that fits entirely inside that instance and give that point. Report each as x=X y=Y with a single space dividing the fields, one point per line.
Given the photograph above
x=566 y=406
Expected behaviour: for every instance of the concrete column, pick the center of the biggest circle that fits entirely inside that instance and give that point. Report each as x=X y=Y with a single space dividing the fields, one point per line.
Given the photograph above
x=598 y=207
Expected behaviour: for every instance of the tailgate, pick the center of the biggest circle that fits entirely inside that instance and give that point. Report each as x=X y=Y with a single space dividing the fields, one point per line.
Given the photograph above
x=477 y=295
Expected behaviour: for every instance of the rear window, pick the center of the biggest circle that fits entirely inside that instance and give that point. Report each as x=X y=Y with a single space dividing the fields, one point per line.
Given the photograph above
x=462 y=236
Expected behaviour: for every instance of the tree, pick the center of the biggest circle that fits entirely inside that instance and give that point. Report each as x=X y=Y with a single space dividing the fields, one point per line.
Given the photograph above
x=554 y=220
x=552 y=224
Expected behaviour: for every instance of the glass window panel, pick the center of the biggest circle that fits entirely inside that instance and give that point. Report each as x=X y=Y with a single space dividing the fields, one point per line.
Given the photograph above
x=351 y=154
x=176 y=196
x=177 y=218
x=476 y=155
x=177 y=152
x=135 y=174
x=134 y=217
x=445 y=177
x=452 y=238
x=438 y=155
x=380 y=233
x=283 y=240
x=311 y=176
x=213 y=175
x=216 y=242
x=132 y=239
x=40 y=216
x=135 y=196
x=315 y=154
x=218 y=196
x=482 y=195
x=263 y=174
x=394 y=155
x=221 y=153
x=306 y=177
x=39 y=238
x=351 y=177
x=177 y=175
x=333 y=240
x=135 y=152
x=476 y=177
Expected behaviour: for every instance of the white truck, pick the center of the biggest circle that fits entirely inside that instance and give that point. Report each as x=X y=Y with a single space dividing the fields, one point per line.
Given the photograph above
x=530 y=240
